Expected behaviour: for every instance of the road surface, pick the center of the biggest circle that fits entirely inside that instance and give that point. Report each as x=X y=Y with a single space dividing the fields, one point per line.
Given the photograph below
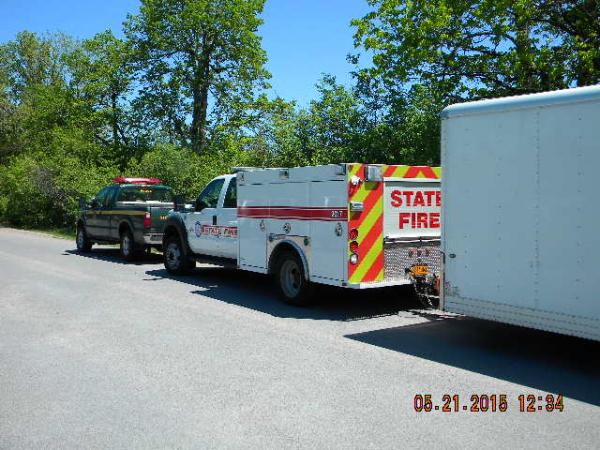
x=95 y=353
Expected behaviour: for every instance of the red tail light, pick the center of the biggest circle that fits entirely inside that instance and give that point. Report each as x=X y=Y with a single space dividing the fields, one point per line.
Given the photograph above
x=353 y=234
x=354 y=246
x=147 y=220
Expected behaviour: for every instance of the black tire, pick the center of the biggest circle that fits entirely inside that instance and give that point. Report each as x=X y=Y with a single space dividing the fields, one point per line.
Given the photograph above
x=82 y=241
x=293 y=286
x=128 y=248
x=174 y=258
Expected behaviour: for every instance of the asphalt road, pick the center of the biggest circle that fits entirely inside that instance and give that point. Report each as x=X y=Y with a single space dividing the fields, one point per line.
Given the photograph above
x=95 y=353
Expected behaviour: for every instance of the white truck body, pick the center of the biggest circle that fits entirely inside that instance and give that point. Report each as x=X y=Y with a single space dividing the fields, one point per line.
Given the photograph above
x=353 y=225
x=520 y=216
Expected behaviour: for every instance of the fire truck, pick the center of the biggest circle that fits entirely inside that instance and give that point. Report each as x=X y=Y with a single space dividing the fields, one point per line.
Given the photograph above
x=350 y=225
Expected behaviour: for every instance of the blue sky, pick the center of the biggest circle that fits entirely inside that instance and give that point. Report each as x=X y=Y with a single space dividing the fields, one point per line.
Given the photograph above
x=303 y=38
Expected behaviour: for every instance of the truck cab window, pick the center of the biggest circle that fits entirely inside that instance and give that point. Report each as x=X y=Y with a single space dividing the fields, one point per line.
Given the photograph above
x=209 y=197
x=231 y=195
x=110 y=197
x=101 y=197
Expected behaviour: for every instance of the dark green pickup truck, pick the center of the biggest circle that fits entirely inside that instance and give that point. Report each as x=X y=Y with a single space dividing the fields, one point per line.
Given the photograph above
x=132 y=212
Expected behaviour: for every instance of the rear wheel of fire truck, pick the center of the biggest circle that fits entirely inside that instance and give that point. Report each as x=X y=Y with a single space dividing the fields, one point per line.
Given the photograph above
x=294 y=288
x=84 y=245
x=128 y=249
x=174 y=257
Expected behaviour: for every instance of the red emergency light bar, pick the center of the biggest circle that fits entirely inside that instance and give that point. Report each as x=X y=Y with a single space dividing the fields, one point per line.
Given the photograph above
x=128 y=180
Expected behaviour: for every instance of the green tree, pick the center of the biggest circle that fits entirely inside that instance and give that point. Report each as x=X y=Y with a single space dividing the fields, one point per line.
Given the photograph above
x=462 y=48
x=102 y=75
x=193 y=51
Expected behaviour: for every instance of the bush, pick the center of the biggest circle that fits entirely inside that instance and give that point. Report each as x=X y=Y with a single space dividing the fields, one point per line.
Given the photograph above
x=44 y=192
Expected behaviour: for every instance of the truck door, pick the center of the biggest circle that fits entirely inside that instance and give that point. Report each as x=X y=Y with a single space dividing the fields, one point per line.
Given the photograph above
x=227 y=222
x=93 y=216
x=104 y=216
x=202 y=226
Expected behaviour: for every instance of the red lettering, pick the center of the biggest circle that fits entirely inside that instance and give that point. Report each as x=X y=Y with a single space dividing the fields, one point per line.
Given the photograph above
x=404 y=219
x=429 y=195
x=421 y=220
x=438 y=198
x=434 y=220
x=408 y=195
x=396 y=199
x=419 y=200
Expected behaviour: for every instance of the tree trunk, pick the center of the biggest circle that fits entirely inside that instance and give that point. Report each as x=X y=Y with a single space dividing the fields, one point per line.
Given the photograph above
x=115 y=124
x=200 y=105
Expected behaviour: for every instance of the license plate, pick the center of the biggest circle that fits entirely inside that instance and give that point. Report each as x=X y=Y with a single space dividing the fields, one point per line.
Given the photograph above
x=419 y=270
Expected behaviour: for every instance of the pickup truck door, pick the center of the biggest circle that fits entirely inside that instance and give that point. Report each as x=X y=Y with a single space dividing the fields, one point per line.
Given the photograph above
x=93 y=216
x=105 y=214
x=201 y=225
x=227 y=222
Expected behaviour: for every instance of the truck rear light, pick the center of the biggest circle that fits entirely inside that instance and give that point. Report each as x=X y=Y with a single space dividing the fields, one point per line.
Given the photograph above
x=147 y=220
x=354 y=258
x=353 y=235
x=354 y=246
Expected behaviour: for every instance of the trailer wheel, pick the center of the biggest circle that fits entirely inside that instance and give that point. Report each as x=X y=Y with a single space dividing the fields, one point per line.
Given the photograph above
x=82 y=241
x=174 y=257
x=294 y=288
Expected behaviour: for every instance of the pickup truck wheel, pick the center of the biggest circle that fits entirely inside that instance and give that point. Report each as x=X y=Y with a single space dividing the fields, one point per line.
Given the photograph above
x=128 y=249
x=174 y=257
x=81 y=240
x=294 y=288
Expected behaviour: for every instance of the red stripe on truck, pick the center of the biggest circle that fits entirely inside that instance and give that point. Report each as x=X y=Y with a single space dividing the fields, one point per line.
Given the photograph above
x=293 y=213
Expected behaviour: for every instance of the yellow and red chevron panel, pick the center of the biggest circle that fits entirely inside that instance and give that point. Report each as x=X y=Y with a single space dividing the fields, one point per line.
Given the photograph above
x=365 y=228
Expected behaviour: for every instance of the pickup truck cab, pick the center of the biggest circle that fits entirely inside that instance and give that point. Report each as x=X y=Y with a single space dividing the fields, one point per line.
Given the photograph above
x=131 y=212
x=208 y=229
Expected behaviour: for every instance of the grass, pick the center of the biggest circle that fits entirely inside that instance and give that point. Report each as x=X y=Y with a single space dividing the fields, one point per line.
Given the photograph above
x=63 y=233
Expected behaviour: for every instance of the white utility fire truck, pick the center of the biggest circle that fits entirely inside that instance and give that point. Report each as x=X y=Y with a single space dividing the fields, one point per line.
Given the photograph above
x=349 y=225
x=520 y=210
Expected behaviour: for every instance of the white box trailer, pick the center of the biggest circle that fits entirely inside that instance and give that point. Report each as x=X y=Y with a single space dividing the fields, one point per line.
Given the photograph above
x=521 y=216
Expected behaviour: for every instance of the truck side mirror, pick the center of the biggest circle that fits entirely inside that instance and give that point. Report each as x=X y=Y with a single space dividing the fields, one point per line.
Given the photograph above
x=200 y=204
x=179 y=203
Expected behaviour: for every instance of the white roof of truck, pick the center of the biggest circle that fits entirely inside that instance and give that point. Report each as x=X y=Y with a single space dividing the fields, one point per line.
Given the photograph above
x=574 y=95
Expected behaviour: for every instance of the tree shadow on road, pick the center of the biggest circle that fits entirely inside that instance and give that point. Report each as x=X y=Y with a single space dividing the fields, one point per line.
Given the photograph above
x=256 y=291
x=112 y=255
x=545 y=361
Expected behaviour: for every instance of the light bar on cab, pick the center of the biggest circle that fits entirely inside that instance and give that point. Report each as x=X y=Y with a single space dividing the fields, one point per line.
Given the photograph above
x=129 y=180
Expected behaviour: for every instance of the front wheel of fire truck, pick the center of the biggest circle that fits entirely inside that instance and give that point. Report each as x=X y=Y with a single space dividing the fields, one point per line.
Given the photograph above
x=174 y=258
x=294 y=288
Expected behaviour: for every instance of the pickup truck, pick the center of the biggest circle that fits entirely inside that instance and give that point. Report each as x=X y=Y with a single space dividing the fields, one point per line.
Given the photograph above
x=131 y=212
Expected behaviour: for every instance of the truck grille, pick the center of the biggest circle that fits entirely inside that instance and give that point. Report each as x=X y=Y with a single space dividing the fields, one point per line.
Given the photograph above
x=401 y=255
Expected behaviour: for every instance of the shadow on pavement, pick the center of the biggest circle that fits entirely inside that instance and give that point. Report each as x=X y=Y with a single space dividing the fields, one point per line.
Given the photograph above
x=257 y=292
x=544 y=361
x=111 y=254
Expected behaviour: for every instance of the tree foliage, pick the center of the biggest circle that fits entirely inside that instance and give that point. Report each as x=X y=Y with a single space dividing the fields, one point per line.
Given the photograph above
x=194 y=51
x=183 y=96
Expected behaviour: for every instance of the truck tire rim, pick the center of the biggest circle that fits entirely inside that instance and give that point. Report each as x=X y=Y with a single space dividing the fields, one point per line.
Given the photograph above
x=173 y=256
x=80 y=238
x=126 y=245
x=290 y=278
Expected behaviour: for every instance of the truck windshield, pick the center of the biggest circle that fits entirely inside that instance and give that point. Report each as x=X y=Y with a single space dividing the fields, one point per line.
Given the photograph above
x=145 y=194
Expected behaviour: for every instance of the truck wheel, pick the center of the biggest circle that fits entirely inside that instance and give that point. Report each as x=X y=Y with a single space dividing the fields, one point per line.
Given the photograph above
x=174 y=257
x=294 y=288
x=84 y=245
x=128 y=249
